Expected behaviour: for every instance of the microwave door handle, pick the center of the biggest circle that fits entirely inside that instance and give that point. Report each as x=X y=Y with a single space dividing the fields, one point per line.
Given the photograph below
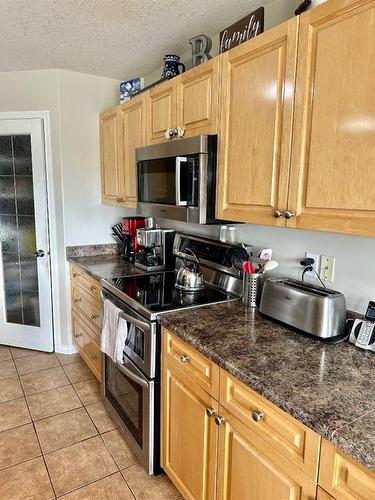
x=179 y=160
x=132 y=375
x=130 y=319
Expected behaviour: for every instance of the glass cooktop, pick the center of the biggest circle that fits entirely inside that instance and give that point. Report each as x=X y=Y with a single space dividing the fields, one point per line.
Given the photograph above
x=157 y=293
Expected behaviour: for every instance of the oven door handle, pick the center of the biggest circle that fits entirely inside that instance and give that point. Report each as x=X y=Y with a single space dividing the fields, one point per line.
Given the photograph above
x=132 y=376
x=179 y=160
x=130 y=319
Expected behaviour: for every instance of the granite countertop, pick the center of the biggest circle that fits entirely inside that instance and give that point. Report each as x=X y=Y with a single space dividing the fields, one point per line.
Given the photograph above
x=105 y=266
x=328 y=387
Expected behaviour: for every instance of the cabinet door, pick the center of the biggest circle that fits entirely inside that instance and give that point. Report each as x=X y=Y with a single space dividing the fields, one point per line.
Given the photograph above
x=344 y=478
x=109 y=156
x=333 y=164
x=189 y=435
x=197 y=99
x=132 y=123
x=323 y=495
x=249 y=469
x=161 y=111
x=258 y=80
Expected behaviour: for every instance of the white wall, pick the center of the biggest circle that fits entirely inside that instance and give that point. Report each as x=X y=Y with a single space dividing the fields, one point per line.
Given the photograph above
x=274 y=13
x=74 y=101
x=355 y=264
x=82 y=98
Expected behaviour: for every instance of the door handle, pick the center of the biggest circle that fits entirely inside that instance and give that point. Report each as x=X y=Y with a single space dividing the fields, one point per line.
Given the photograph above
x=39 y=253
x=143 y=383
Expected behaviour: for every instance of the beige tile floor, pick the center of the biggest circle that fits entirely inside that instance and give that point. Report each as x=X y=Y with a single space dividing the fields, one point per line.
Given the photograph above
x=56 y=438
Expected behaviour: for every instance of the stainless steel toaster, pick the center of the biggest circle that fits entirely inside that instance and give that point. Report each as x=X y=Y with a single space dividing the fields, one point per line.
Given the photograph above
x=313 y=309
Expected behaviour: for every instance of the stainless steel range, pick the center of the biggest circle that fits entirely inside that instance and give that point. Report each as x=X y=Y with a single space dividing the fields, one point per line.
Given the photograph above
x=131 y=389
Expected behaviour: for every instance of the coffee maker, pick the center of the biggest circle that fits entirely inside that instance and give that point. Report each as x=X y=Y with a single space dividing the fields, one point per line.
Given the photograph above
x=155 y=247
x=130 y=242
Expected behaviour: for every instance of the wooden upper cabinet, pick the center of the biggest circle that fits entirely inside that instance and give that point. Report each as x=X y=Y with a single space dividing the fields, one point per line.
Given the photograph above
x=132 y=135
x=257 y=95
x=332 y=185
x=249 y=469
x=198 y=99
x=161 y=110
x=189 y=435
x=109 y=156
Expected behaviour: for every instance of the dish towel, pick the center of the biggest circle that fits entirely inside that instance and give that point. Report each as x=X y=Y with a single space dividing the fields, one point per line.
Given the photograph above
x=114 y=332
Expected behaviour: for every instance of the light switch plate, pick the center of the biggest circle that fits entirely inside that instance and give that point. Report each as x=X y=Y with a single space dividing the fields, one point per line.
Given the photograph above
x=327 y=268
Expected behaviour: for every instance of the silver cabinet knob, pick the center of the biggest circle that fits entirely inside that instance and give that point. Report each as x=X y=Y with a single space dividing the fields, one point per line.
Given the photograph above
x=93 y=356
x=170 y=133
x=78 y=300
x=210 y=412
x=257 y=415
x=93 y=288
x=39 y=253
x=94 y=316
x=77 y=335
x=184 y=358
x=288 y=214
x=219 y=420
x=119 y=200
x=277 y=213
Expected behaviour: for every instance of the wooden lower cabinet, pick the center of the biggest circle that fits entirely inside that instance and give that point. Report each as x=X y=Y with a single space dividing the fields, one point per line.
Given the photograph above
x=189 y=435
x=344 y=478
x=211 y=450
x=86 y=318
x=250 y=469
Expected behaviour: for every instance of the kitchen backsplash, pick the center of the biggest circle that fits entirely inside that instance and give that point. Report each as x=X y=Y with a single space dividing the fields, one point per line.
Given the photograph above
x=355 y=269
x=92 y=250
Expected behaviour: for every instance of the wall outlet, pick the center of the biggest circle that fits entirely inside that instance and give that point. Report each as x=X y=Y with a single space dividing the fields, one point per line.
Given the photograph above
x=316 y=264
x=327 y=268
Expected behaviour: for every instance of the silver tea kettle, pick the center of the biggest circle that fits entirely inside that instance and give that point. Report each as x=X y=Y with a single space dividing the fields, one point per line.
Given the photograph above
x=190 y=277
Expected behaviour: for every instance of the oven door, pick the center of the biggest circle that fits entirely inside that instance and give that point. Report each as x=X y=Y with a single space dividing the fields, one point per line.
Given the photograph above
x=141 y=342
x=130 y=399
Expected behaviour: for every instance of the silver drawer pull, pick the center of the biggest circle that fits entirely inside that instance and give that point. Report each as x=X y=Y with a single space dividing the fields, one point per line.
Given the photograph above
x=94 y=356
x=219 y=420
x=78 y=335
x=94 y=316
x=184 y=358
x=210 y=412
x=257 y=415
x=78 y=300
x=93 y=288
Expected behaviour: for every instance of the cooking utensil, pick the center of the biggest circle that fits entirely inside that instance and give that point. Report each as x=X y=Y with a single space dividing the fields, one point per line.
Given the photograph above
x=239 y=255
x=190 y=277
x=269 y=266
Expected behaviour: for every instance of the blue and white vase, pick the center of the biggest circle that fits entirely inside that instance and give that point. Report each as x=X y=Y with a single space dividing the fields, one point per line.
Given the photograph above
x=172 y=66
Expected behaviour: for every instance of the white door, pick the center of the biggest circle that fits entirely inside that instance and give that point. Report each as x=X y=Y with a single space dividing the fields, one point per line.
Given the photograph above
x=25 y=281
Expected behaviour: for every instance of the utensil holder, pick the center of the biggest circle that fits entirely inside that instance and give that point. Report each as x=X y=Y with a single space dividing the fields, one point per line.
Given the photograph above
x=252 y=286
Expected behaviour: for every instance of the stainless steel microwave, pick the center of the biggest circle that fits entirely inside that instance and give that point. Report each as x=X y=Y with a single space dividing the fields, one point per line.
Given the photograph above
x=177 y=180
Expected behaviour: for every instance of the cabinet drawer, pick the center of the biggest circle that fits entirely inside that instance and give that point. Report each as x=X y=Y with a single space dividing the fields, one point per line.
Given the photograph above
x=86 y=282
x=87 y=343
x=296 y=442
x=89 y=306
x=342 y=477
x=200 y=369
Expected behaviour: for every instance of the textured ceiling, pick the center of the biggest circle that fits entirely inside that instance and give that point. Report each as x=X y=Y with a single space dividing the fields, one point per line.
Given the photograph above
x=112 y=38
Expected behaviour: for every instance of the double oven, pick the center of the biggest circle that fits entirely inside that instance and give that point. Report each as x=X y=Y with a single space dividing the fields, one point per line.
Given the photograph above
x=130 y=387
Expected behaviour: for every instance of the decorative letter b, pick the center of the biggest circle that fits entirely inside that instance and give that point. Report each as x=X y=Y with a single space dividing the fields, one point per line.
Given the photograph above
x=200 y=48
